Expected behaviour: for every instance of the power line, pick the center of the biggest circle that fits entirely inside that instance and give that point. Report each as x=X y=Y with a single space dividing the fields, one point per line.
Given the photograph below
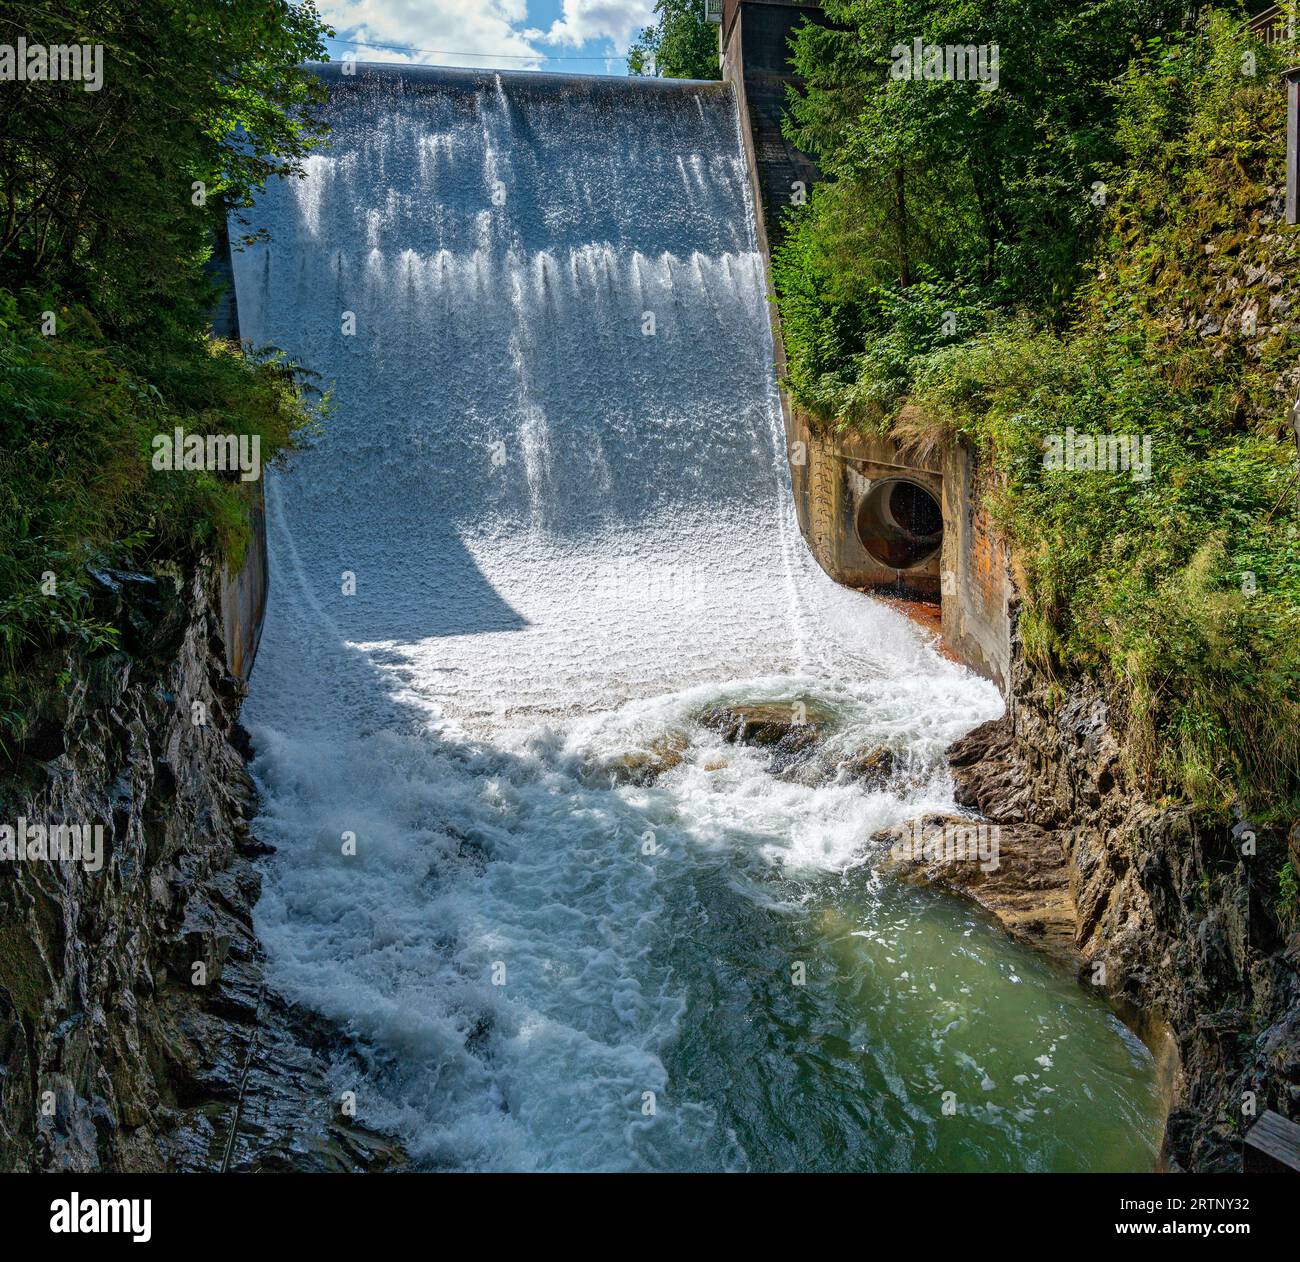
x=446 y=52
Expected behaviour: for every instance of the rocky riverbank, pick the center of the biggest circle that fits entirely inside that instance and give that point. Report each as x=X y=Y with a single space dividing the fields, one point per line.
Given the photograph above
x=1171 y=916
x=137 y=1030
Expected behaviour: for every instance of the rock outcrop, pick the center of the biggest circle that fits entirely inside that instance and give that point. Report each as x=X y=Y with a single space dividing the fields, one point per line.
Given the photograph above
x=1173 y=914
x=1026 y=887
x=137 y=1031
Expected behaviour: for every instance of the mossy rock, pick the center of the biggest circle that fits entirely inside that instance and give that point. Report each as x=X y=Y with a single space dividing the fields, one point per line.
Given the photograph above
x=768 y=723
x=644 y=766
x=871 y=768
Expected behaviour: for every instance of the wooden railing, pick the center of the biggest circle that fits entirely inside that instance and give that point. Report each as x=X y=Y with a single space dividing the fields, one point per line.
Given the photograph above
x=1274 y=26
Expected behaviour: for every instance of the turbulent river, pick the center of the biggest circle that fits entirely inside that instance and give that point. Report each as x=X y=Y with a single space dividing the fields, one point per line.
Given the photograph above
x=548 y=523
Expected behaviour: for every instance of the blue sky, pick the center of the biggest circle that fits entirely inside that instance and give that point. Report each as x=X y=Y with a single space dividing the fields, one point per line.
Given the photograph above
x=577 y=36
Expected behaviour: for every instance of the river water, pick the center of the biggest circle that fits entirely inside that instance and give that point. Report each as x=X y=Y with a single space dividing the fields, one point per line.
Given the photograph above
x=548 y=524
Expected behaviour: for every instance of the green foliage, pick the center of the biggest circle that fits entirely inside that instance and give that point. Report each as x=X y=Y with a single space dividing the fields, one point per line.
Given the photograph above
x=854 y=336
x=99 y=187
x=680 y=45
x=1184 y=589
x=1288 y=896
x=77 y=489
x=102 y=229
x=1155 y=315
x=986 y=193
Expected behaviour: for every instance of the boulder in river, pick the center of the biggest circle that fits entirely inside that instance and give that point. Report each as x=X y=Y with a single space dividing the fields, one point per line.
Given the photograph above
x=767 y=723
x=793 y=730
x=644 y=765
x=871 y=768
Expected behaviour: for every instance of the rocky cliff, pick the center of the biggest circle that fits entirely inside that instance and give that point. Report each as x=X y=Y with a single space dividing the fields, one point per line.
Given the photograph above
x=1172 y=916
x=137 y=1031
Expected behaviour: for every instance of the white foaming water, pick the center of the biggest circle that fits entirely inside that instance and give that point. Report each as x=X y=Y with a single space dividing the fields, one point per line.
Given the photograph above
x=555 y=467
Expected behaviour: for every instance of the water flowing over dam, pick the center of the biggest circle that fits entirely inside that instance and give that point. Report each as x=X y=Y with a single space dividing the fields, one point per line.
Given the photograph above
x=546 y=526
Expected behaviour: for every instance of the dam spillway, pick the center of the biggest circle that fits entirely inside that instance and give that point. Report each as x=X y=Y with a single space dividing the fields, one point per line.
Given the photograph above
x=547 y=525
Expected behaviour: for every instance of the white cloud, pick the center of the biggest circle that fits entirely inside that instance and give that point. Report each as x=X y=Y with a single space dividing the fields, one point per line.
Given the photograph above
x=616 y=20
x=449 y=28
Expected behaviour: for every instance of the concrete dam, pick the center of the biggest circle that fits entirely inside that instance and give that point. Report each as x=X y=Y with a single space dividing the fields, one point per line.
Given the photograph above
x=544 y=552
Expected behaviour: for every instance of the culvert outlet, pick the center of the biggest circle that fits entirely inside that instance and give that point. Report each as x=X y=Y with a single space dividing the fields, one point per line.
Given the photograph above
x=900 y=523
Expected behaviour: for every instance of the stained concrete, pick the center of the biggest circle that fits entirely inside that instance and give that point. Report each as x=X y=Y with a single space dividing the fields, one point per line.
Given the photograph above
x=243 y=592
x=833 y=472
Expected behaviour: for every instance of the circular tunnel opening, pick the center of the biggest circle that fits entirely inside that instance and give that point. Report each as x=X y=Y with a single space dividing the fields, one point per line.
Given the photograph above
x=900 y=523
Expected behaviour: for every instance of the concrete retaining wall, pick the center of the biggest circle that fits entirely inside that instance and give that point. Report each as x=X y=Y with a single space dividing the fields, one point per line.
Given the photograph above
x=243 y=593
x=971 y=577
x=979 y=595
x=833 y=473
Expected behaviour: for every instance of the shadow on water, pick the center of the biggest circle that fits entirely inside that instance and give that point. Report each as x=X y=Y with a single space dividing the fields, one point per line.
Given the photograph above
x=907 y=994
x=508 y=429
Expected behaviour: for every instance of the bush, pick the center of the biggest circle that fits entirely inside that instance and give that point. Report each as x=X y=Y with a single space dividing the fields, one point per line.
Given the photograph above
x=114 y=201
x=1180 y=591
x=76 y=484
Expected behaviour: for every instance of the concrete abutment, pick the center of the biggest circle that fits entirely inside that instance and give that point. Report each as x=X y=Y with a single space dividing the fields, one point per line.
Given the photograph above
x=839 y=478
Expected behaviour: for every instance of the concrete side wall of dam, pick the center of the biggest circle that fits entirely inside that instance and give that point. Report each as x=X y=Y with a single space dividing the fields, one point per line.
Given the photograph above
x=866 y=507
x=847 y=486
x=243 y=591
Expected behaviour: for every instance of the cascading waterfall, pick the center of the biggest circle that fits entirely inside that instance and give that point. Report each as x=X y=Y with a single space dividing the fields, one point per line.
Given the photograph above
x=548 y=522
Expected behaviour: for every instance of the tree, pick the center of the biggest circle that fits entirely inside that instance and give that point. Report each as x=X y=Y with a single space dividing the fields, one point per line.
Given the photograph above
x=111 y=197
x=975 y=191
x=110 y=202
x=682 y=44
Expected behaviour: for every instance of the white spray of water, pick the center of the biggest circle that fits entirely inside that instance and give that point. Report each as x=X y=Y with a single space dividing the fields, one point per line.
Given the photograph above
x=556 y=469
